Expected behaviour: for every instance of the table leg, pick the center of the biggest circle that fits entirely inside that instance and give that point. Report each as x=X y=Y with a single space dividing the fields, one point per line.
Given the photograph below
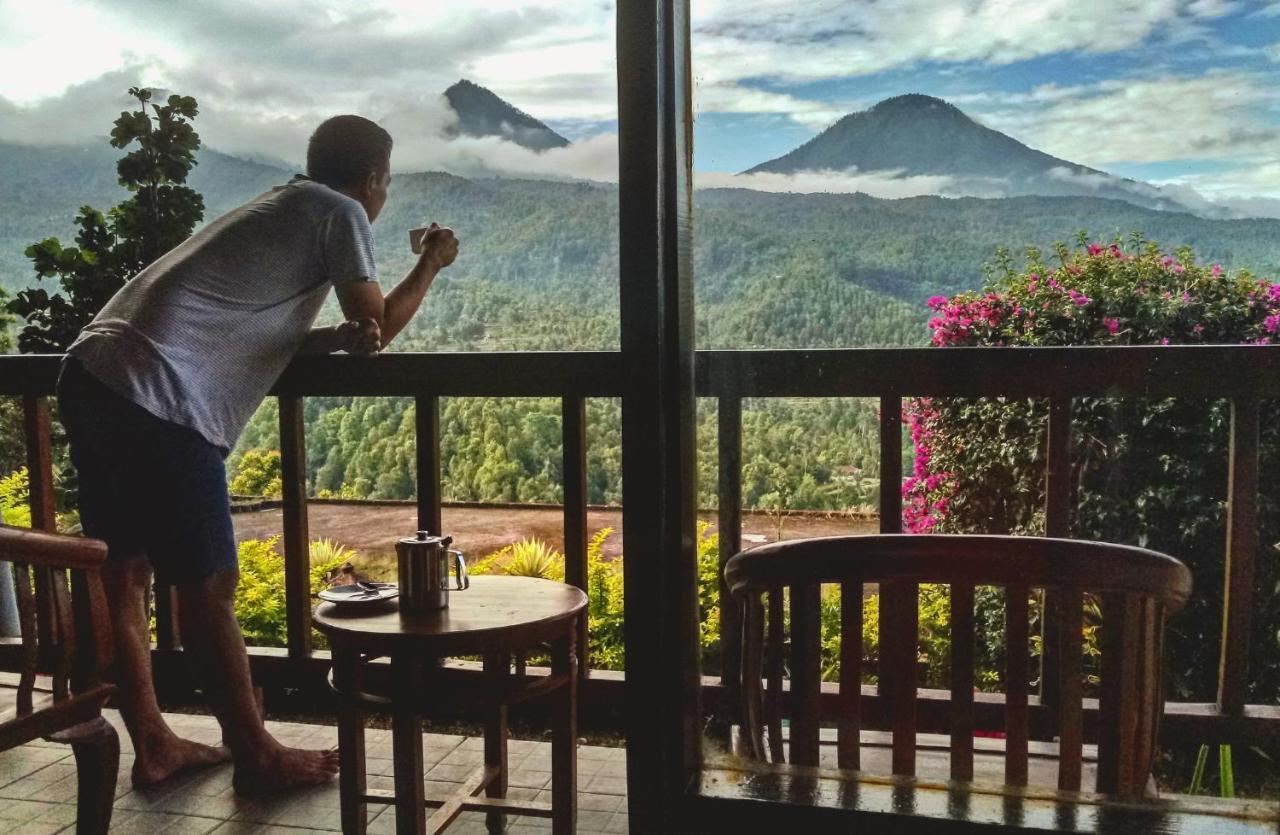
x=564 y=737
x=497 y=667
x=352 y=785
x=406 y=746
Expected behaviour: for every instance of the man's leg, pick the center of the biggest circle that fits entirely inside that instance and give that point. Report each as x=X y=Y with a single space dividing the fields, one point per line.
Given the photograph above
x=158 y=751
x=211 y=637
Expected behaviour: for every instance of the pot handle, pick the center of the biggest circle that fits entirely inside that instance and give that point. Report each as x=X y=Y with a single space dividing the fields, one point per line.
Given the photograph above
x=464 y=580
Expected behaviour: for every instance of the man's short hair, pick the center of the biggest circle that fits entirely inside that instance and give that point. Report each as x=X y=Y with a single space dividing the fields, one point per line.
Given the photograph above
x=345 y=150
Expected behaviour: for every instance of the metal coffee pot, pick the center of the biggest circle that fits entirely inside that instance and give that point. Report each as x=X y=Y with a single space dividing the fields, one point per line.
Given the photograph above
x=422 y=564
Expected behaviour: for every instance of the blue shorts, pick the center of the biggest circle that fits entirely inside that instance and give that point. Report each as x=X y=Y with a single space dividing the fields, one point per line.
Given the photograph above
x=147 y=487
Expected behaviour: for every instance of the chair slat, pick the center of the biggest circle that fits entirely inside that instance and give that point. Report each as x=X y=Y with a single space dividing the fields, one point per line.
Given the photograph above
x=849 y=730
x=773 y=675
x=899 y=649
x=753 y=649
x=64 y=651
x=1147 y=684
x=1117 y=709
x=30 y=646
x=962 y=682
x=806 y=673
x=1015 y=685
x=1070 y=688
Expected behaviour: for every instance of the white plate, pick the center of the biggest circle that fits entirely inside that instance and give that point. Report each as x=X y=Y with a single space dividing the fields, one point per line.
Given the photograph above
x=354 y=595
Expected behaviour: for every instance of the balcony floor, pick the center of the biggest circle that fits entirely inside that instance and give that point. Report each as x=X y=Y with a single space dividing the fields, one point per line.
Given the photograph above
x=38 y=787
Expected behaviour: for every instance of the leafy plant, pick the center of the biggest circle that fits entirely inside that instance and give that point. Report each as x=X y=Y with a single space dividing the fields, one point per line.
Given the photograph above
x=260 y=599
x=1146 y=472
x=14 y=499
x=258 y=473
x=113 y=248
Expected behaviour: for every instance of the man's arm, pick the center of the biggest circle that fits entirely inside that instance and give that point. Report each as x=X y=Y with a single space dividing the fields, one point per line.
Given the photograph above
x=363 y=300
x=354 y=337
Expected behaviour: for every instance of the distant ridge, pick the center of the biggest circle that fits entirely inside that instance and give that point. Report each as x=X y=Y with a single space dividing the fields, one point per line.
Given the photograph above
x=482 y=113
x=919 y=135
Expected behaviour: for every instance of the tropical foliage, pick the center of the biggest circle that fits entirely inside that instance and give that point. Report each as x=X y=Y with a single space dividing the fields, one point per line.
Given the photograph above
x=111 y=248
x=1147 y=472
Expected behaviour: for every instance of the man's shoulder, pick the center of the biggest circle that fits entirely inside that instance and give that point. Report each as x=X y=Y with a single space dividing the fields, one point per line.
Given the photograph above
x=315 y=194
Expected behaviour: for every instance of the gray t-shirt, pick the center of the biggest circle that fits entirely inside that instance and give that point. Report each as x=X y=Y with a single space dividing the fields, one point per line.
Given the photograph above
x=199 y=337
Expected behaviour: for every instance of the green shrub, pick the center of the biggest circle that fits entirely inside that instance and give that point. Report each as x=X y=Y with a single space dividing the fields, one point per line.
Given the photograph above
x=14 y=499
x=1145 y=472
x=258 y=473
x=260 y=600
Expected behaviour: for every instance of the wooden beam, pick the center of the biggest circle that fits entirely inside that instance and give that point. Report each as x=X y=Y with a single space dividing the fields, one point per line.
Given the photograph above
x=659 y=491
x=297 y=541
x=574 y=441
x=1242 y=548
x=427 y=426
x=729 y=517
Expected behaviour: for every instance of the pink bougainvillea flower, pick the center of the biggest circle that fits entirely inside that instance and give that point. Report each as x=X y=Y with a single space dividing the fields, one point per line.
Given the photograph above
x=1217 y=270
x=1094 y=249
x=1079 y=298
x=1112 y=325
x=1272 y=323
x=937 y=302
x=1164 y=340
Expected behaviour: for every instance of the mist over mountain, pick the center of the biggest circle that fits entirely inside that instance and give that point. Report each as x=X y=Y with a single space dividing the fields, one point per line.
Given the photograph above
x=541 y=257
x=916 y=135
x=483 y=113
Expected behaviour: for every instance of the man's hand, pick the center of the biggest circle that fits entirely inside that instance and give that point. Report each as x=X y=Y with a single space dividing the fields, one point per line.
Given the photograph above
x=362 y=337
x=439 y=246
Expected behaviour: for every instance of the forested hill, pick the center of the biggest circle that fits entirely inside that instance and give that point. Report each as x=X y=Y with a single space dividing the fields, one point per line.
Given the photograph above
x=539 y=263
x=538 y=270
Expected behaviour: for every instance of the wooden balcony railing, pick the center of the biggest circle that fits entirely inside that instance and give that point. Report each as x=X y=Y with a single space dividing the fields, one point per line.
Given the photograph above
x=1246 y=375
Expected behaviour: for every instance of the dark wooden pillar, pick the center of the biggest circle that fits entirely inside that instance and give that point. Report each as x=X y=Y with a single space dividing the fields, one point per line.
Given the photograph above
x=655 y=126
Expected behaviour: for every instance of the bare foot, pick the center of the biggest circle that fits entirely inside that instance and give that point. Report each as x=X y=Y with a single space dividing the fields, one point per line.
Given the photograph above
x=283 y=769
x=162 y=760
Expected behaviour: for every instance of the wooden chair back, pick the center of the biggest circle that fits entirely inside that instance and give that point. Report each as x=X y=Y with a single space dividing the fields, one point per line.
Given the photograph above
x=62 y=615
x=1139 y=589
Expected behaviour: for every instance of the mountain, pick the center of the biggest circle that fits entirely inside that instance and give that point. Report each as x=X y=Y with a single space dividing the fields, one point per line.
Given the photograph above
x=541 y=257
x=918 y=135
x=482 y=113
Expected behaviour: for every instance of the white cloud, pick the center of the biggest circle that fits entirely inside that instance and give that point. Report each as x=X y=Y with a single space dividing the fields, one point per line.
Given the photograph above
x=817 y=39
x=728 y=97
x=885 y=184
x=1251 y=189
x=1218 y=114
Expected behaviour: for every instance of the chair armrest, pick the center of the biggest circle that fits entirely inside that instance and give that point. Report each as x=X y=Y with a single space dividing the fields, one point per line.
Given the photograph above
x=51 y=550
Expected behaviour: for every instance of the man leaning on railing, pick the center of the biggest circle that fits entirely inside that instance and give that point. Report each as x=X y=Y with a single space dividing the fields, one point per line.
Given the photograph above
x=156 y=390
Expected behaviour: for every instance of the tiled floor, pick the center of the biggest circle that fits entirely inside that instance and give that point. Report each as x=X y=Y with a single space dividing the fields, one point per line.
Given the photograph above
x=38 y=787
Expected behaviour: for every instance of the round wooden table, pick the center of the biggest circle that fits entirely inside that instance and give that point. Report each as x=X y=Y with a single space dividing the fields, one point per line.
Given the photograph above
x=497 y=617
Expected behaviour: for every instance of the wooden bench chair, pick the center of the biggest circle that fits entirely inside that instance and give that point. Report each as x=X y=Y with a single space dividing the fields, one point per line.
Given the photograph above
x=1138 y=589
x=64 y=648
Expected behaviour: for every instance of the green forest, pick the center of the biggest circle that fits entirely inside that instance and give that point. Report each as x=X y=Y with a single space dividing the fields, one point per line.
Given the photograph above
x=538 y=271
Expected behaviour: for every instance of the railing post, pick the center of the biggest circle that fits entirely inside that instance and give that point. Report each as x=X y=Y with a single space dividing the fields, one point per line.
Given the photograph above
x=297 y=556
x=899 y=625
x=574 y=440
x=427 y=427
x=1242 y=546
x=1057 y=524
x=35 y=413
x=729 y=525
x=890 y=464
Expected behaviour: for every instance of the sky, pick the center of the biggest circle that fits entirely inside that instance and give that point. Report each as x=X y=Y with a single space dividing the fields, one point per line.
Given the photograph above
x=1181 y=93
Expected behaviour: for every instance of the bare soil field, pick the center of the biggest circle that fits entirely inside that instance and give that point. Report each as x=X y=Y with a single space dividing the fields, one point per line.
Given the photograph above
x=372 y=530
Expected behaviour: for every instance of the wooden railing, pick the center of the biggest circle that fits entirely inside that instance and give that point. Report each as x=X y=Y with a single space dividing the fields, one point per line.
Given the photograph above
x=1246 y=375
